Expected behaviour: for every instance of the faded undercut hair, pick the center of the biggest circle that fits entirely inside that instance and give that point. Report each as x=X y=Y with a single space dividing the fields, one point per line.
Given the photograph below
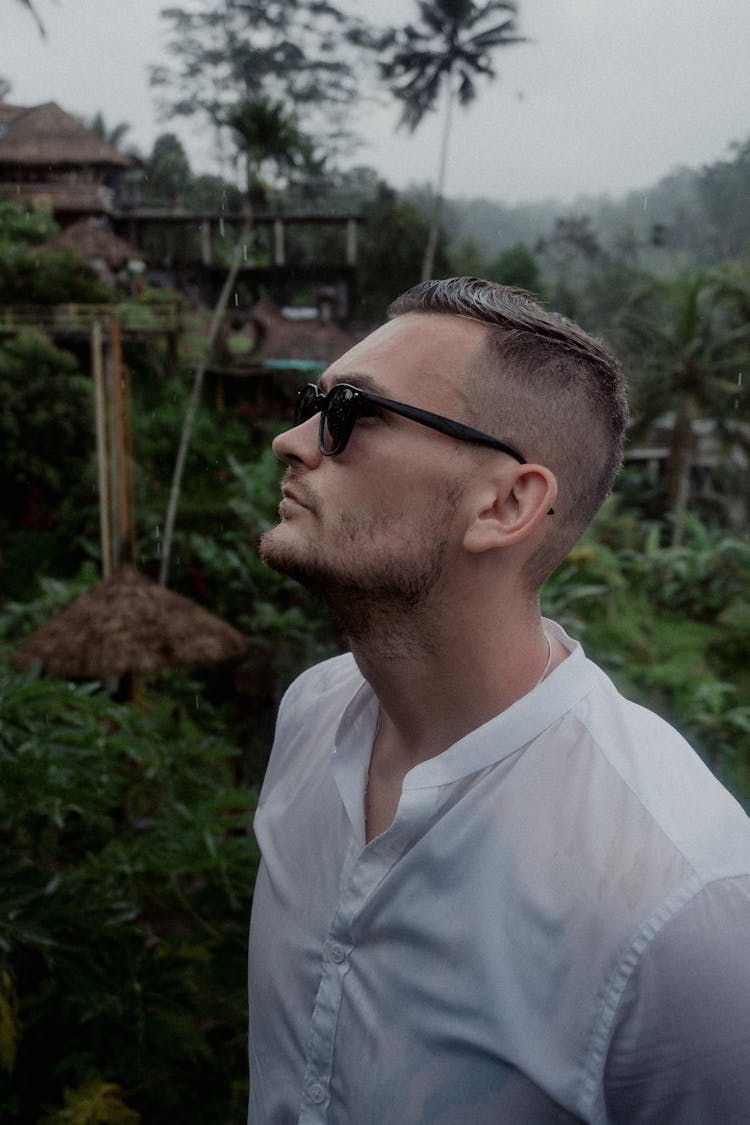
x=544 y=385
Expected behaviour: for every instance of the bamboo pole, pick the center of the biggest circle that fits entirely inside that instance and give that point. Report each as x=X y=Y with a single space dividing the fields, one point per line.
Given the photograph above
x=112 y=411
x=122 y=423
x=102 y=455
x=194 y=400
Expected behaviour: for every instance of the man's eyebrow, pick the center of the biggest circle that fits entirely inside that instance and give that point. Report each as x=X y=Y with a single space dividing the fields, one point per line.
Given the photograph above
x=362 y=381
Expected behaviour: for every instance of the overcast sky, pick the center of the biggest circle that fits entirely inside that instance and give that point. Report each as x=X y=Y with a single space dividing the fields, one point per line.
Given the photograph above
x=608 y=96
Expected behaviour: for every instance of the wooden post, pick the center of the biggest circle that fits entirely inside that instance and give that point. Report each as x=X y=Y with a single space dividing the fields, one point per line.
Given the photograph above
x=279 y=251
x=207 y=256
x=112 y=412
x=102 y=450
x=351 y=242
x=123 y=431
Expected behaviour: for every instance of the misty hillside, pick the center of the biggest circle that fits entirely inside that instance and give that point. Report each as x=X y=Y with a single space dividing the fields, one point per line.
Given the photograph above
x=688 y=217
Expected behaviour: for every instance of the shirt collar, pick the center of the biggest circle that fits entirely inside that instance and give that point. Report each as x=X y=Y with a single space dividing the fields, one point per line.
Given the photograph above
x=495 y=740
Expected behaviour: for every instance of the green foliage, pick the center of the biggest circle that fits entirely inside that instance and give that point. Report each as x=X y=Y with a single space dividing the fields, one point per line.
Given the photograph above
x=29 y=276
x=168 y=170
x=449 y=49
x=287 y=628
x=670 y=624
x=19 y=227
x=454 y=37
x=113 y=135
x=466 y=258
x=158 y=413
x=206 y=192
x=49 y=278
x=45 y=408
x=517 y=266
x=93 y=1103
x=723 y=189
x=126 y=867
x=297 y=52
x=687 y=341
x=389 y=265
x=266 y=136
x=46 y=448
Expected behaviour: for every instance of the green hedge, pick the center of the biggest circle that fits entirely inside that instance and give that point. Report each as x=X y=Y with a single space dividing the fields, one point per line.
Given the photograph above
x=126 y=872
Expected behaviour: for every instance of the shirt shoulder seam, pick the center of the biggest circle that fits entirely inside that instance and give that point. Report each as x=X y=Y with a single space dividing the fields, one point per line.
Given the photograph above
x=614 y=989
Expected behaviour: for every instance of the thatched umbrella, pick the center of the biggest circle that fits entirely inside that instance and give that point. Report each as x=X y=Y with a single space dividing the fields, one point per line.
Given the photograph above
x=92 y=240
x=124 y=625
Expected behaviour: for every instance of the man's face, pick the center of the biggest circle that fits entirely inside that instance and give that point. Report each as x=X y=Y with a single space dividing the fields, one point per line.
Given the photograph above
x=379 y=521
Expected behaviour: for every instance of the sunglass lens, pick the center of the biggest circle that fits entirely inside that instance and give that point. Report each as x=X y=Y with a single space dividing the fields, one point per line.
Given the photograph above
x=308 y=403
x=339 y=415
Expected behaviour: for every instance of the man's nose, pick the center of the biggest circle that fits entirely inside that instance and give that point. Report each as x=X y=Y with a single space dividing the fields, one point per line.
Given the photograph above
x=300 y=443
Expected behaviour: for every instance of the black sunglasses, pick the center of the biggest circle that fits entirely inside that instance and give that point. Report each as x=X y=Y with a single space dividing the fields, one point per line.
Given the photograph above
x=344 y=404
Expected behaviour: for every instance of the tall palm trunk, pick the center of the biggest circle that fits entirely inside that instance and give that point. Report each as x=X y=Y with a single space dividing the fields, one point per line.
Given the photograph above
x=195 y=396
x=680 y=464
x=428 y=261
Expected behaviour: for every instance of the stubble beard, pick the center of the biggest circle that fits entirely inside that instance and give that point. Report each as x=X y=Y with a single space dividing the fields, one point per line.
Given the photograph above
x=371 y=587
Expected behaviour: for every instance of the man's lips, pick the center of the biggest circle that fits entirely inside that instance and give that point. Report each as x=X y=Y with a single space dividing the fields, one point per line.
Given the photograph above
x=297 y=493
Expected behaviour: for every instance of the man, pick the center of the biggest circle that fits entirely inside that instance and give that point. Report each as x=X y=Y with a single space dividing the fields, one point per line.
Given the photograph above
x=492 y=890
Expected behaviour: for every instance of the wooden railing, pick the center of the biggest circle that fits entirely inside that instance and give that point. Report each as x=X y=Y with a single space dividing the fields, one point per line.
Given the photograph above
x=77 y=319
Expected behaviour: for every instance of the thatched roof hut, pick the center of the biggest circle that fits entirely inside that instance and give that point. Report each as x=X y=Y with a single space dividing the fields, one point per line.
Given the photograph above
x=128 y=624
x=50 y=161
x=42 y=135
x=94 y=241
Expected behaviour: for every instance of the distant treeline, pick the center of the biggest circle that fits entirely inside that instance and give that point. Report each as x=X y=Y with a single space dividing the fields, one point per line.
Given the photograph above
x=689 y=218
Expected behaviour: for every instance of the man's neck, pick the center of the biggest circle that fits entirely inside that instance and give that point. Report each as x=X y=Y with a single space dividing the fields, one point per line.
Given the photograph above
x=436 y=686
x=435 y=693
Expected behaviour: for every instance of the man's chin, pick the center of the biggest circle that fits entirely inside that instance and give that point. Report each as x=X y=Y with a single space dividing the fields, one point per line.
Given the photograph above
x=285 y=557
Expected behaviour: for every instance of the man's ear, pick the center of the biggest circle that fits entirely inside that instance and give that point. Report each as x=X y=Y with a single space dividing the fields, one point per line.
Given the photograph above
x=511 y=507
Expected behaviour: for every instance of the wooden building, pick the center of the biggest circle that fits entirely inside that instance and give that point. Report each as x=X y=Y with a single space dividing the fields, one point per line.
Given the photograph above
x=50 y=161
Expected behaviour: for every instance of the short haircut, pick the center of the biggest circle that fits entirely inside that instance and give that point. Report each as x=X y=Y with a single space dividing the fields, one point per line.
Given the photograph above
x=544 y=385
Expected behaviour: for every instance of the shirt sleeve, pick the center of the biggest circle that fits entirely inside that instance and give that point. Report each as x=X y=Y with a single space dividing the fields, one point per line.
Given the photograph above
x=681 y=1051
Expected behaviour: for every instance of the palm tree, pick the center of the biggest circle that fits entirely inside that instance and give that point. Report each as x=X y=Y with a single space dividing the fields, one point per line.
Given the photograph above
x=689 y=340
x=113 y=134
x=264 y=133
x=448 y=50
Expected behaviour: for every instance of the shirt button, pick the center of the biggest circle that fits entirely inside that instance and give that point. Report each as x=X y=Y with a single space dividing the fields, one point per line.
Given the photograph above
x=317 y=1093
x=338 y=954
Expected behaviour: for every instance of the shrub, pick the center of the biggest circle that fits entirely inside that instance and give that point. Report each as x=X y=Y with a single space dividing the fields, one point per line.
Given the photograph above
x=126 y=865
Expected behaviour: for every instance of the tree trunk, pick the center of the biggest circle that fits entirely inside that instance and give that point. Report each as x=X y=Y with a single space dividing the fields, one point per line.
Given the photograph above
x=428 y=261
x=680 y=464
x=195 y=397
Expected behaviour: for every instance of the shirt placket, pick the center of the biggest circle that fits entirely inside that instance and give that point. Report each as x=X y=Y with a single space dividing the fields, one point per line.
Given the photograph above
x=366 y=870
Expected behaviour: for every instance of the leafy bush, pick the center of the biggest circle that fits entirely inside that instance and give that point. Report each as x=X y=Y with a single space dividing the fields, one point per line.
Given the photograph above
x=46 y=416
x=287 y=628
x=670 y=624
x=126 y=865
x=47 y=459
x=29 y=276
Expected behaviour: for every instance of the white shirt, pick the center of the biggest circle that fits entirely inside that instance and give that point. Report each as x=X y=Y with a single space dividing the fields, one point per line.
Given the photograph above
x=556 y=926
